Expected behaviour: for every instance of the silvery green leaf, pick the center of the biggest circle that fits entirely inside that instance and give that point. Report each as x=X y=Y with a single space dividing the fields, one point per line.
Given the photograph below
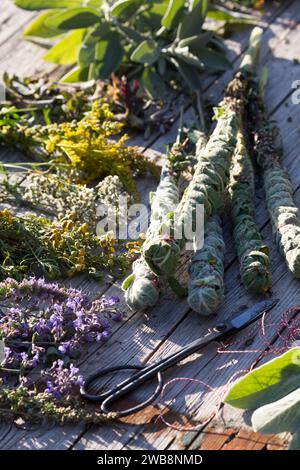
x=267 y=383
x=147 y=52
x=173 y=14
x=280 y=416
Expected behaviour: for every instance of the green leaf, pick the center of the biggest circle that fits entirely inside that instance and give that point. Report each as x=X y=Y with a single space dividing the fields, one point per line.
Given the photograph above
x=219 y=13
x=147 y=52
x=295 y=442
x=185 y=55
x=74 y=18
x=128 y=281
x=211 y=59
x=86 y=55
x=130 y=34
x=108 y=57
x=66 y=51
x=173 y=14
x=280 y=416
x=200 y=40
x=39 y=29
x=190 y=75
x=192 y=23
x=124 y=9
x=76 y=75
x=267 y=383
x=154 y=85
x=46 y=4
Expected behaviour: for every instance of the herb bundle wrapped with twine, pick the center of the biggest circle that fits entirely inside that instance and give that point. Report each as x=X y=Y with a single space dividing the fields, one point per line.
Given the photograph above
x=279 y=192
x=252 y=252
x=206 y=283
x=141 y=287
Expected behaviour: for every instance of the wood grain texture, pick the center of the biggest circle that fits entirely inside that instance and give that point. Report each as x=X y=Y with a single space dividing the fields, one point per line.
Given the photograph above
x=148 y=336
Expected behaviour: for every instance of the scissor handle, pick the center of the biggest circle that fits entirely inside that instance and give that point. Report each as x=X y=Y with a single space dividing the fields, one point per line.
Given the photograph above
x=111 y=396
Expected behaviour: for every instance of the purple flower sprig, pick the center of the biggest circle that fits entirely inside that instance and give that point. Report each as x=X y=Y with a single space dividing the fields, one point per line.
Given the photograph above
x=49 y=328
x=61 y=381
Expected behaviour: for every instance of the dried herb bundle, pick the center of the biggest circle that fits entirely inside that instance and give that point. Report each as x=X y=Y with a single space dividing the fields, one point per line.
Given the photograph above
x=141 y=287
x=279 y=192
x=206 y=282
x=252 y=252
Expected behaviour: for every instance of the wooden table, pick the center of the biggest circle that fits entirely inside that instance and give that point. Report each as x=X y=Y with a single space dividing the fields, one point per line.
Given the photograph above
x=144 y=337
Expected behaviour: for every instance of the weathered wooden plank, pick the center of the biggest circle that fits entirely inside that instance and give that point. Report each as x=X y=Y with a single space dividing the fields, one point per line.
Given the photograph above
x=111 y=430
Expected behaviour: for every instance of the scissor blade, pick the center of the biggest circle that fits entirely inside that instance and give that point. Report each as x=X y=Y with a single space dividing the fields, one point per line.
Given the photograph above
x=252 y=314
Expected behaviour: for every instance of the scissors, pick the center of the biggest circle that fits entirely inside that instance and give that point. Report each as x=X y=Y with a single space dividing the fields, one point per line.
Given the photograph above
x=219 y=333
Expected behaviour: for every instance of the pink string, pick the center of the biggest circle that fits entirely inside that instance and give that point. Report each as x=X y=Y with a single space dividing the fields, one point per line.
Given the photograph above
x=289 y=324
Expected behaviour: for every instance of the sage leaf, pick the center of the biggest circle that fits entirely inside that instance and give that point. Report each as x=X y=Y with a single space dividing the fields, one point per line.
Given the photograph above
x=219 y=13
x=86 y=55
x=211 y=59
x=39 y=29
x=199 y=40
x=267 y=383
x=190 y=75
x=280 y=416
x=295 y=442
x=76 y=75
x=66 y=51
x=173 y=14
x=74 y=18
x=152 y=82
x=192 y=23
x=147 y=52
x=185 y=55
x=124 y=9
x=109 y=53
x=45 y=4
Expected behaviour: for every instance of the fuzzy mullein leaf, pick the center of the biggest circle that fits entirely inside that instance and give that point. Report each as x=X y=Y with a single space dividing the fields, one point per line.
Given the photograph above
x=267 y=383
x=279 y=416
x=295 y=442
